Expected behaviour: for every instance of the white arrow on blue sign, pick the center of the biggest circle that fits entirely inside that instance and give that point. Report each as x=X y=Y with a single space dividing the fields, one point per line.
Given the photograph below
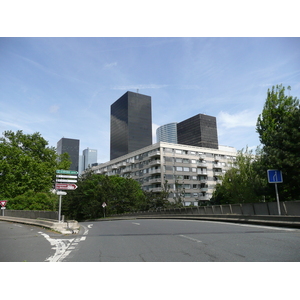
x=275 y=176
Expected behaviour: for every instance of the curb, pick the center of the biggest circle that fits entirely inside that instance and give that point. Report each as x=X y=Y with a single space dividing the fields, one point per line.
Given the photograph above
x=284 y=221
x=69 y=227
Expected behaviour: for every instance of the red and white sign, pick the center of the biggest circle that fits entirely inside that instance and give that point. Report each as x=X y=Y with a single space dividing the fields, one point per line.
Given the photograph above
x=65 y=186
x=103 y=204
x=3 y=202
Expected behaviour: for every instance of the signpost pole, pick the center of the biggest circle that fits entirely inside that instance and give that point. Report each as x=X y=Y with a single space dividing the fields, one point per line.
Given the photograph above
x=63 y=184
x=275 y=176
x=59 y=209
x=277 y=198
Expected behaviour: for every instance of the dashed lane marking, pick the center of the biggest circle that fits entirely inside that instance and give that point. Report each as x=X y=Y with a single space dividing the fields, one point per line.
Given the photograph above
x=189 y=238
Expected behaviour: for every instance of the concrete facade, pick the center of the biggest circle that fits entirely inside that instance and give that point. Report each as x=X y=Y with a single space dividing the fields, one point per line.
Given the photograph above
x=191 y=172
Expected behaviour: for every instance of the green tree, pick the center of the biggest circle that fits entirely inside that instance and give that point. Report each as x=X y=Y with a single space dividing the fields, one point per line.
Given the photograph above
x=64 y=161
x=278 y=127
x=241 y=183
x=120 y=194
x=33 y=201
x=26 y=164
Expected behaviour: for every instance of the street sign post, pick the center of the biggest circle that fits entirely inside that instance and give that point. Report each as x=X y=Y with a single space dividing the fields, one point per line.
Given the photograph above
x=275 y=176
x=104 y=205
x=64 y=184
x=67 y=172
x=3 y=203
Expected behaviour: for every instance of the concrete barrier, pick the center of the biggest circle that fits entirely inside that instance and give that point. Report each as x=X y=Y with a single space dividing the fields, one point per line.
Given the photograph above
x=278 y=221
x=62 y=227
x=31 y=214
x=292 y=208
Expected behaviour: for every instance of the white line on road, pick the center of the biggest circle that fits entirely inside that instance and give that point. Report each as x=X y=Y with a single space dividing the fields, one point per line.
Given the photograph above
x=189 y=238
x=136 y=223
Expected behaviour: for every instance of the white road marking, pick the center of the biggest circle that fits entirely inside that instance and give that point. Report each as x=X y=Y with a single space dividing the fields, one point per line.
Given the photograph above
x=90 y=226
x=189 y=238
x=86 y=231
x=60 y=246
x=63 y=247
x=136 y=223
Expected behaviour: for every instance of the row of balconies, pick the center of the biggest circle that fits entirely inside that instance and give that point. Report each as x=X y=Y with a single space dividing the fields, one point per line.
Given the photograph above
x=218 y=172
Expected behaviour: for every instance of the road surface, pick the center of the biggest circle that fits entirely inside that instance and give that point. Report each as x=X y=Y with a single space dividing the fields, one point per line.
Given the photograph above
x=150 y=240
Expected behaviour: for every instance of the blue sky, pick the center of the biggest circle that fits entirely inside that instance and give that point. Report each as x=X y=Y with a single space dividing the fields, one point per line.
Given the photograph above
x=63 y=87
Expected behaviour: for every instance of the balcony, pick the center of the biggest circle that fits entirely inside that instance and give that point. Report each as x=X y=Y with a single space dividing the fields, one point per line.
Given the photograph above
x=217 y=165
x=154 y=153
x=154 y=162
x=155 y=171
x=156 y=189
x=201 y=164
x=204 y=189
x=204 y=172
x=218 y=173
x=155 y=180
x=206 y=197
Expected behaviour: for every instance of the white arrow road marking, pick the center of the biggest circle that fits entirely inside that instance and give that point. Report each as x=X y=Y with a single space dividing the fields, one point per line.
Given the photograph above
x=90 y=226
x=63 y=247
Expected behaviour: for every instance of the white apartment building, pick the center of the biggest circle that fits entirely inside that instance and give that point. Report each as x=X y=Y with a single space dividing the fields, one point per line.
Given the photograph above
x=191 y=171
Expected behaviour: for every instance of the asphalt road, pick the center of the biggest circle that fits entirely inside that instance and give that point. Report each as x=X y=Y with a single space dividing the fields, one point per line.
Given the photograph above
x=151 y=241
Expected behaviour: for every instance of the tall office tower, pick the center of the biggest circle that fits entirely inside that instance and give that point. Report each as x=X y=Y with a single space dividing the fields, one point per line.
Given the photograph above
x=200 y=131
x=70 y=146
x=89 y=158
x=167 y=133
x=130 y=124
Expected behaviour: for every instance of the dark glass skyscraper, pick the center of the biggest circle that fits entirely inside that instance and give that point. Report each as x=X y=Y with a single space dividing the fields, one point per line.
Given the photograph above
x=130 y=124
x=200 y=131
x=71 y=146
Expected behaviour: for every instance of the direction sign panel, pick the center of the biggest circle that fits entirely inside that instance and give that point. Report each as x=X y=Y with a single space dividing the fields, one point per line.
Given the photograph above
x=65 y=186
x=67 y=172
x=3 y=202
x=274 y=176
x=66 y=180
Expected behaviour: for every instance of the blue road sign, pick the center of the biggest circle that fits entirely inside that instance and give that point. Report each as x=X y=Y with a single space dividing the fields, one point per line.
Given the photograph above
x=274 y=176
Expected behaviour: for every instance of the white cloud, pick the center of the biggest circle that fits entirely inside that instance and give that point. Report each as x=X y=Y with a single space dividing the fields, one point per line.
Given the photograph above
x=245 y=118
x=110 y=65
x=54 y=108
